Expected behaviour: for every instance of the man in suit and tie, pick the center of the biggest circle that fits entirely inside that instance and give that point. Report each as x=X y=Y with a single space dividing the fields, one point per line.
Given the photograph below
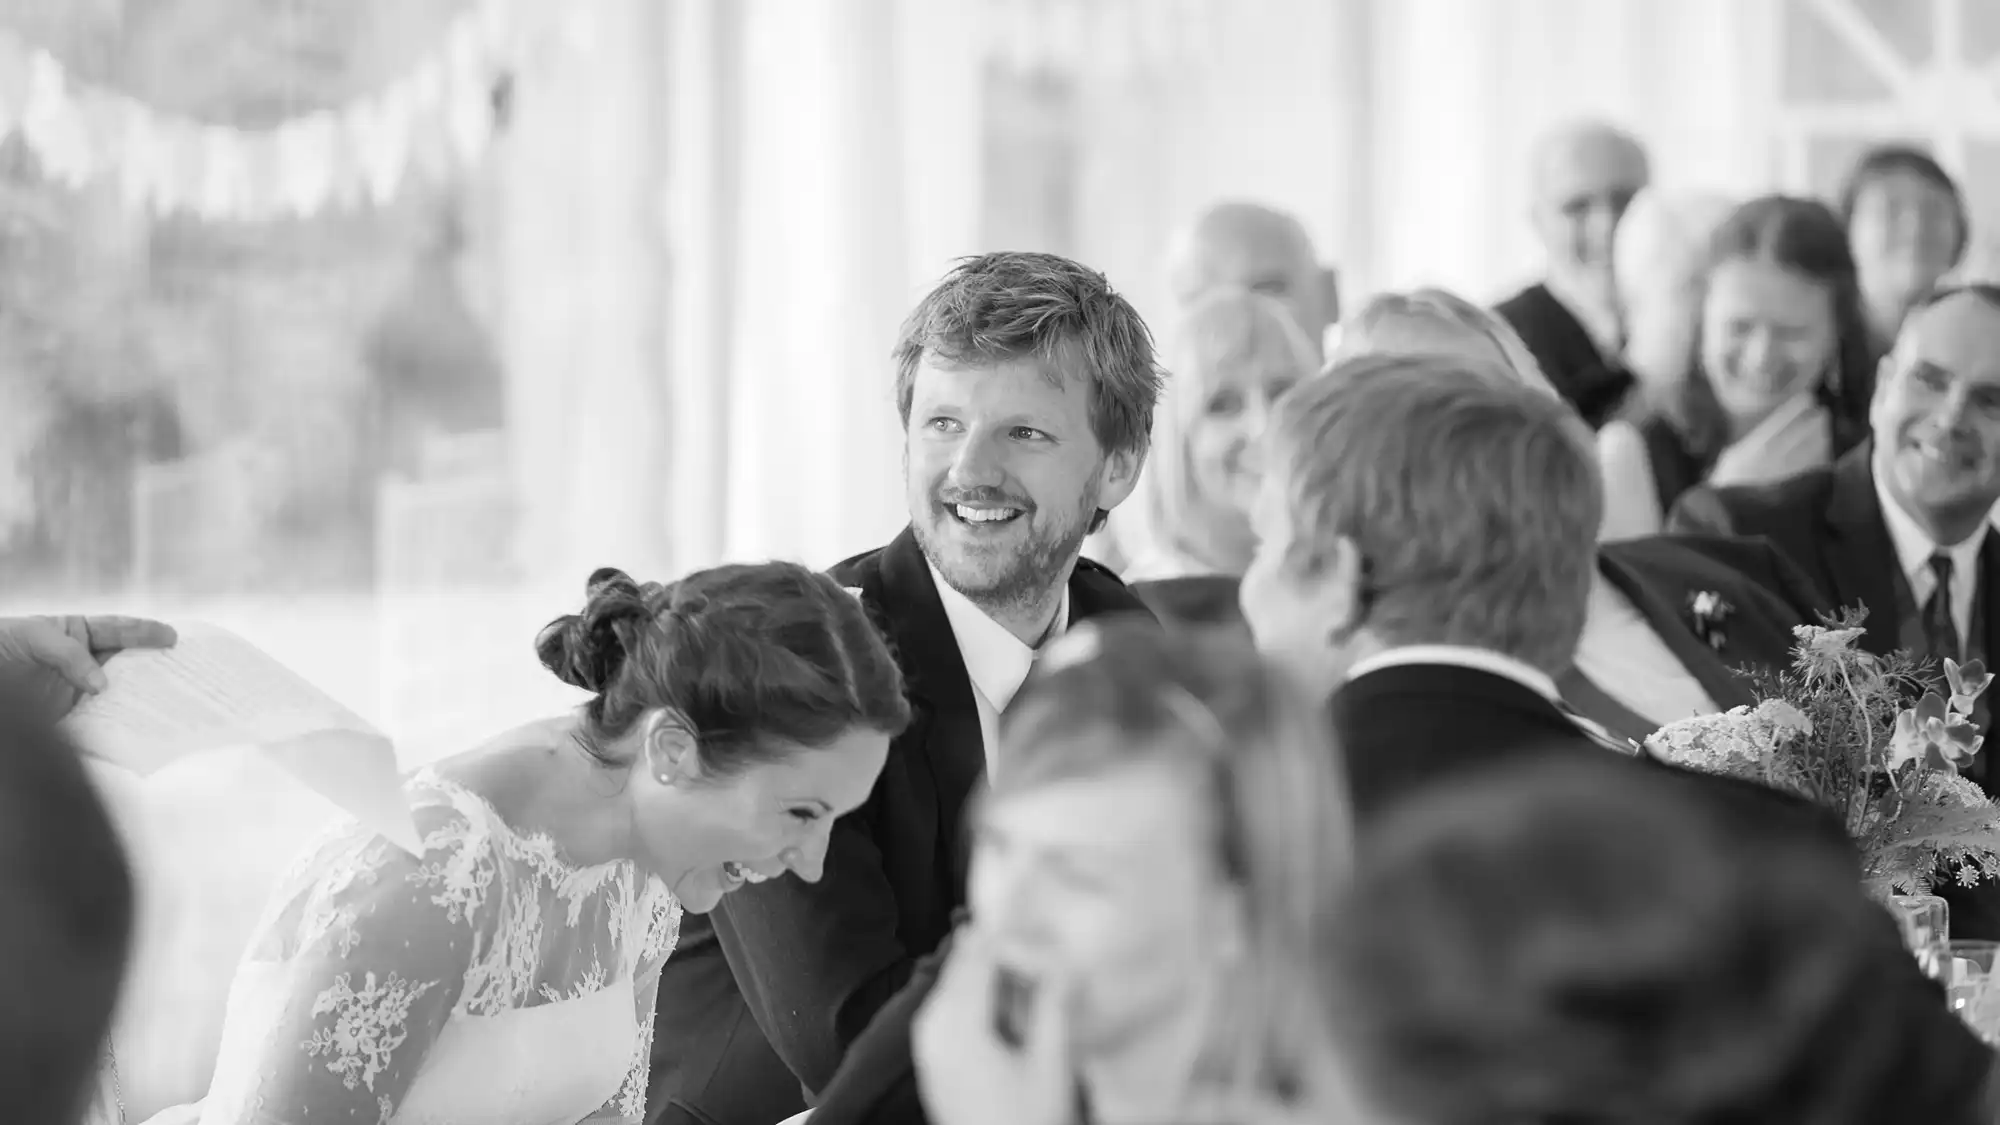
x=1026 y=387
x=1585 y=175
x=1899 y=525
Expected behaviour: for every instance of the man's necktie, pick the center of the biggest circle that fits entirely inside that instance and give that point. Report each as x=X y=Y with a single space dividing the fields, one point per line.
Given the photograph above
x=1940 y=627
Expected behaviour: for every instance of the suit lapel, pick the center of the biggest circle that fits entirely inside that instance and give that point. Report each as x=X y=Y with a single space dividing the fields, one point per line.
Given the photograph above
x=947 y=719
x=949 y=752
x=1856 y=553
x=1723 y=685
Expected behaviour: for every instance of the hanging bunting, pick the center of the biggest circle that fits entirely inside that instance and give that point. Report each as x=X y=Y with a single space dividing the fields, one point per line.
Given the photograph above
x=1116 y=37
x=437 y=119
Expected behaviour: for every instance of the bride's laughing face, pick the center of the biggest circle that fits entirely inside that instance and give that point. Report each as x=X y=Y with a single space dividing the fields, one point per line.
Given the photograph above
x=1109 y=879
x=707 y=834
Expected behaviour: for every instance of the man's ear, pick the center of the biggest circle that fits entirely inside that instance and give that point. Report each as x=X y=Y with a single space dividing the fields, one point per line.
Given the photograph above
x=1334 y=573
x=1121 y=475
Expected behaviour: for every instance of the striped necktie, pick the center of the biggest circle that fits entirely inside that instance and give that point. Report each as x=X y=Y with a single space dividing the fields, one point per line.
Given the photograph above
x=1940 y=624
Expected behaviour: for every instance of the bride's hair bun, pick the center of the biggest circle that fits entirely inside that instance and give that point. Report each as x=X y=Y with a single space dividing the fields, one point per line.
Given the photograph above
x=588 y=649
x=752 y=660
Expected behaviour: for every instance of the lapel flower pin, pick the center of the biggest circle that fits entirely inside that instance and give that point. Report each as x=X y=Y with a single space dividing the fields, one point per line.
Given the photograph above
x=1708 y=612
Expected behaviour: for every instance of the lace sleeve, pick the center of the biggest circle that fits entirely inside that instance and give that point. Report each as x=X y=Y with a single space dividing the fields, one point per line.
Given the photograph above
x=628 y=1106
x=371 y=958
x=662 y=931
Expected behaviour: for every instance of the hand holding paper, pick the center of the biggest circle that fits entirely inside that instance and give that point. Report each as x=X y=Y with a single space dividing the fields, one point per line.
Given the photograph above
x=56 y=658
x=215 y=691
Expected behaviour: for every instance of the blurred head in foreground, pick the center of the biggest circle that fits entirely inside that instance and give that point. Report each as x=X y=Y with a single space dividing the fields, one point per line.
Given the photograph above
x=65 y=926
x=1167 y=826
x=1585 y=943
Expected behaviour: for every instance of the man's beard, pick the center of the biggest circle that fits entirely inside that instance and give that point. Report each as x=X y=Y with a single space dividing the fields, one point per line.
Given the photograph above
x=1023 y=575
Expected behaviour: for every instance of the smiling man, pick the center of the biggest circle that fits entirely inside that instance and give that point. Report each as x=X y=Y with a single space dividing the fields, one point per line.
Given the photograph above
x=1900 y=525
x=1026 y=387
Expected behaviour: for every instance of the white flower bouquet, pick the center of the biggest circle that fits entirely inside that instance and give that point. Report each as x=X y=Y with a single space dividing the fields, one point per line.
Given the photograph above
x=1839 y=728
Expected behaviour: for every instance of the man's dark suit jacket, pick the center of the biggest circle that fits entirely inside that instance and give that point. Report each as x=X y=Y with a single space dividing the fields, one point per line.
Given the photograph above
x=1596 y=386
x=1765 y=592
x=809 y=964
x=1829 y=522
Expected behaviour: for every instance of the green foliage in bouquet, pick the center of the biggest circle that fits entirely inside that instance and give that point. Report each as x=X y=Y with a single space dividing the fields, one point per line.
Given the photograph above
x=1838 y=727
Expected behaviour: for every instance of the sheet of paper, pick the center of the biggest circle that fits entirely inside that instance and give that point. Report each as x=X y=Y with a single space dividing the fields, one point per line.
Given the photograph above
x=216 y=691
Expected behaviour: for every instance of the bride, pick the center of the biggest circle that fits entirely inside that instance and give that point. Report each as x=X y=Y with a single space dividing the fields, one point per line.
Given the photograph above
x=506 y=976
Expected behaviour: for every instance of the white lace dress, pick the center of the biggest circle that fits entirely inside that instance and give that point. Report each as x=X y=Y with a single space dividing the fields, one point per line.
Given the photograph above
x=487 y=983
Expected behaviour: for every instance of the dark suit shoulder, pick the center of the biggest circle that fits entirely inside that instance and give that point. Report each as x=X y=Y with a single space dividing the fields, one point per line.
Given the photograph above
x=1528 y=303
x=1095 y=590
x=1751 y=556
x=1756 y=506
x=862 y=570
x=1726 y=563
x=1192 y=602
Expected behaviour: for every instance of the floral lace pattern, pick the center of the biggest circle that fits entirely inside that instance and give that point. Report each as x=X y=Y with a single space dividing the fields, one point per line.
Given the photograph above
x=378 y=980
x=367 y=1028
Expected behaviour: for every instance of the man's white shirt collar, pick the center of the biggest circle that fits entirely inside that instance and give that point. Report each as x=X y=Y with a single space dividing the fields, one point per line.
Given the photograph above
x=996 y=660
x=1914 y=549
x=1461 y=656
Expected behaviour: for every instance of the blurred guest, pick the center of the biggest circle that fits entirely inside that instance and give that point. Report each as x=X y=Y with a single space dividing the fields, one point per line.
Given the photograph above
x=1231 y=355
x=1781 y=372
x=1906 y=219
x=1145 y=874
x=1659 y=258
x=1584 y=176
x=52 y=662
x=1026 y=386
x=1578 y=943
x=67 y=925
x=1643 y=659
x=1232 y=245
x=1238 y=245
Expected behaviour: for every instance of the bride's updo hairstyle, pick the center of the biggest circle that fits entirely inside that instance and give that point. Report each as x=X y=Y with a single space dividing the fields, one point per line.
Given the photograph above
x=749 y=658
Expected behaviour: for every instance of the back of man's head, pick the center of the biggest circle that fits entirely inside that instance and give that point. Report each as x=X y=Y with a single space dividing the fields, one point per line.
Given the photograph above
x=65 y=923
x=1472 y=500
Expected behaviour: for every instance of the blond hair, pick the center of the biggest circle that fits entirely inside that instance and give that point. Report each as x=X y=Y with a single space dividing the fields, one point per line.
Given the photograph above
x=1227 y=336
x=1437 y=322
x=1259 y=748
